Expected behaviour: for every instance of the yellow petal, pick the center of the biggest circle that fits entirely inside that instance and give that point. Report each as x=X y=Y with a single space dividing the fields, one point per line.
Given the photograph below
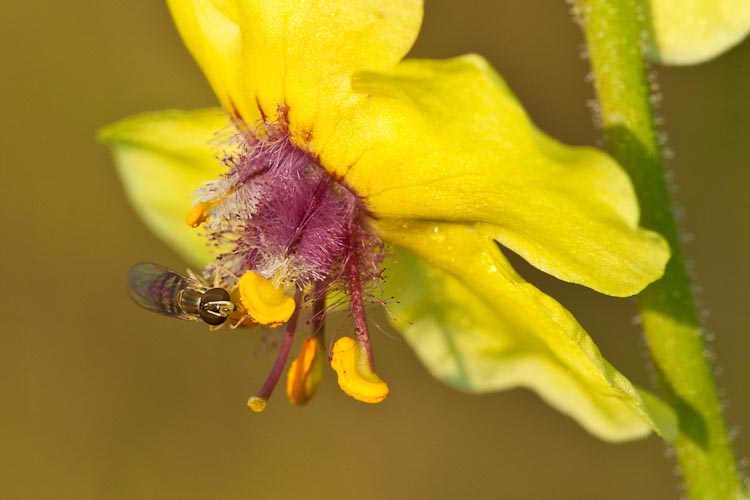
x=355 y=375
x=210 y=30
x=162 y=158
x=295 y=54
x=480 y=327
x=447 y=140
x=693 y=31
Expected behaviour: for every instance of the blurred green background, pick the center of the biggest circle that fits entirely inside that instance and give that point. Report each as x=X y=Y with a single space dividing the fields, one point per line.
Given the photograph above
x=105 y=401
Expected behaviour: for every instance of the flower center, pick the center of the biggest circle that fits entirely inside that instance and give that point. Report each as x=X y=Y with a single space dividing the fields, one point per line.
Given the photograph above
x=280 y=220
x=277 y=212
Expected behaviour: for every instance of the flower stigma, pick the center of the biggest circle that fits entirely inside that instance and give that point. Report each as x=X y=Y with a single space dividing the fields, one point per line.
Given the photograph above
x=292 y=233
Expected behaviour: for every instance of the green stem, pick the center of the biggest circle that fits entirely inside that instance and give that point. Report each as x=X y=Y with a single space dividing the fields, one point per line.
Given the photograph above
x=670 y=320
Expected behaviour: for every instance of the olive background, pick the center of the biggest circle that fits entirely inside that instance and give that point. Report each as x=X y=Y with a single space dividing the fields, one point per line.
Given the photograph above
x=101 y=400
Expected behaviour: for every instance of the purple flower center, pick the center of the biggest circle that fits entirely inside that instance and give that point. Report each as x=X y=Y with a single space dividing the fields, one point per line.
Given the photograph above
x=277 y=212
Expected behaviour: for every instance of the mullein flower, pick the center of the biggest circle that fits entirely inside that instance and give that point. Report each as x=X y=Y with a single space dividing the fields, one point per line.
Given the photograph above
x=342 y=170
x=693 y=31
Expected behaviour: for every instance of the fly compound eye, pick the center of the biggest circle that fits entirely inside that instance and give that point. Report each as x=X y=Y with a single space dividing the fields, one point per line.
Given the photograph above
x=215 y=306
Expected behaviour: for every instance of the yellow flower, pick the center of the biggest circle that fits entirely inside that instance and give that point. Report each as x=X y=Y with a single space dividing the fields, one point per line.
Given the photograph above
x=693 y=31
x=327 y=136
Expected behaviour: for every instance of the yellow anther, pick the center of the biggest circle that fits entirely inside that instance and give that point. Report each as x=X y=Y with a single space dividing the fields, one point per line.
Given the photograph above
x=198 y=214
x=263 y=302
x=305 y=372
x=256 y=404
x=355 y=375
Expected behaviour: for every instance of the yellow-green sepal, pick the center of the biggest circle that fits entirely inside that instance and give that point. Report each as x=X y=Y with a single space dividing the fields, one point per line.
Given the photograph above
x=478 y=326
x=162 y=158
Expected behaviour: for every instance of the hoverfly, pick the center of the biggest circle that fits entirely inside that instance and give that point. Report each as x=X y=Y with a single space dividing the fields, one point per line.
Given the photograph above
x=167 y=292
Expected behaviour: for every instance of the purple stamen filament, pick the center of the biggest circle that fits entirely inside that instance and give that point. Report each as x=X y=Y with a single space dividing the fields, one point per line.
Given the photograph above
x=357 y=306
x=281 y=358
x=320 y=190
x=318 y=319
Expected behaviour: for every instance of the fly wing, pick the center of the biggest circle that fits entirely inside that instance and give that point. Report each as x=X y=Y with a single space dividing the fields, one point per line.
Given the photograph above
x=156 y=288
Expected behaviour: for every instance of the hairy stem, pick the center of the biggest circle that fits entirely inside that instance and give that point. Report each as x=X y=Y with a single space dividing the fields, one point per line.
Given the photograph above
x=670 y=320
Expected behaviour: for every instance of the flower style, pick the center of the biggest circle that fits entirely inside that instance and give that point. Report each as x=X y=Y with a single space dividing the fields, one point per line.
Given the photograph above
x=335 y=155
